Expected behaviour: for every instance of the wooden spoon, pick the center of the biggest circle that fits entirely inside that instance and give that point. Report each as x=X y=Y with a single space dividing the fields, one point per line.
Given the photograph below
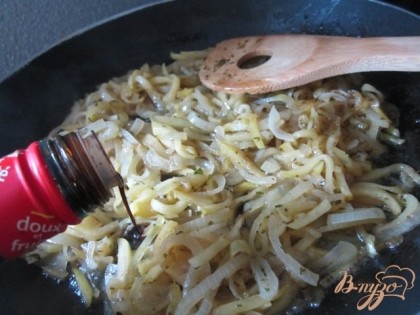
x=285 y=61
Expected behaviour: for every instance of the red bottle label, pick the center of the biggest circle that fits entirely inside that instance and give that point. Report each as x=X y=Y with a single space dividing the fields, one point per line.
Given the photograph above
x=32 y=208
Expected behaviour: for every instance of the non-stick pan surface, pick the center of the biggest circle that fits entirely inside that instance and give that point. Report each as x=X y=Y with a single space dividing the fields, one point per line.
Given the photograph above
x=37 y=98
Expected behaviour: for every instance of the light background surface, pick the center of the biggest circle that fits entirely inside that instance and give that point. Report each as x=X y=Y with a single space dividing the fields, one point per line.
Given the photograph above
x=30 y=27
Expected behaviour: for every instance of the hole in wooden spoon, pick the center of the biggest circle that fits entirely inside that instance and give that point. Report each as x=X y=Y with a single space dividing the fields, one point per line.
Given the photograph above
x=253 y=60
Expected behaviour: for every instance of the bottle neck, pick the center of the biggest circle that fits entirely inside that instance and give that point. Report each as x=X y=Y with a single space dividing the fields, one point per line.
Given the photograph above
x=81 y=170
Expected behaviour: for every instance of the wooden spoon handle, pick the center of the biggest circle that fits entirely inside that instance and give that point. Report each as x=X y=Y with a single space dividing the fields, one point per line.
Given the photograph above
x=299 y=59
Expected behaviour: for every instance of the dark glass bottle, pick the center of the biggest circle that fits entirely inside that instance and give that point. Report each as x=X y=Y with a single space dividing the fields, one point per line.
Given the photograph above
x=51 y=184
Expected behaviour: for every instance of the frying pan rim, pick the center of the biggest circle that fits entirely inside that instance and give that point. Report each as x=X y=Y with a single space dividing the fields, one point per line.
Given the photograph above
x=140 y=7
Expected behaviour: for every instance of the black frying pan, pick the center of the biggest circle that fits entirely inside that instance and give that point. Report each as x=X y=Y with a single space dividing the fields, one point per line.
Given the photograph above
x=37 y=98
